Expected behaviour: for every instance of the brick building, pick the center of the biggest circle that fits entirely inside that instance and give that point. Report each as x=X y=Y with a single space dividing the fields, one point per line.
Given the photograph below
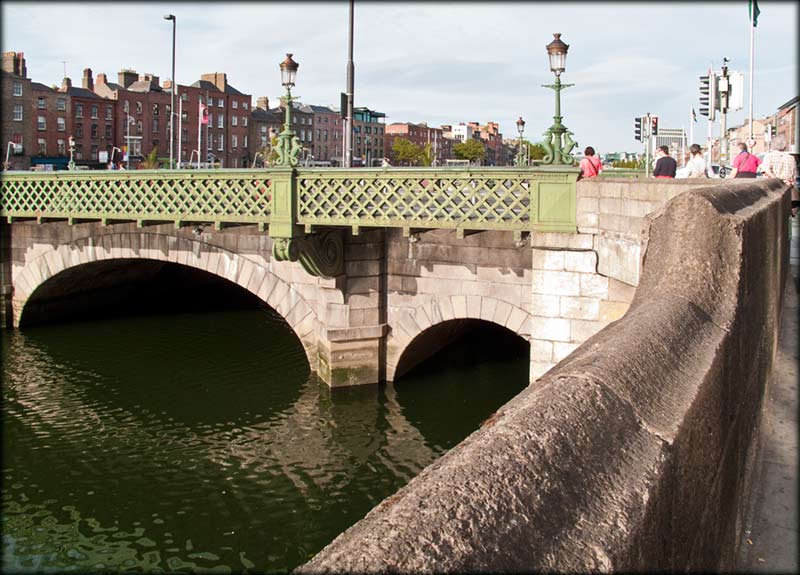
x=420 y=135
x=368 y=136
x=17 y=125
x=328 y=135
x=51 y=114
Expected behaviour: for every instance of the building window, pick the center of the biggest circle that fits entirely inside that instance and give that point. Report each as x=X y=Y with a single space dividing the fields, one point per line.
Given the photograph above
x=94 y=131
x=108 y=112
x=220 y=120
x=220 y=103
x=17 y=112
x=263 y=141
x=185 y=136
x=94 y=112
x=42 y=146
x=40 y=103
x=126 y=106
x=79 y=110
x=244 y=105
x=235 y=104
x=79 y=130
x=234 y=120
x=61 y=104
x=185 y=97
x=221 y=143
x=78 y=151
x=41 y=123
x=108 y=131
x=18 y=88
x=62 y=124
x=138 y=107
x=211 y=142
x=263 y=129
x=16 y=137
x=244 y=141
x=139 y=128
x=155 y=125
x=62 y=148
x=94 y=152
x=155 y=109
x=244 y=121
x=234 y=141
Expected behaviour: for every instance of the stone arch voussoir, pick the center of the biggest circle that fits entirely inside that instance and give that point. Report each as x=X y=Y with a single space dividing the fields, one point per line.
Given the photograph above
x=252 y=276
x=414 y=322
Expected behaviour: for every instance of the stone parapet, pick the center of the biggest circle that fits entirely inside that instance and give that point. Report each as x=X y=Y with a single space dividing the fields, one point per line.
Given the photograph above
x=635 y=452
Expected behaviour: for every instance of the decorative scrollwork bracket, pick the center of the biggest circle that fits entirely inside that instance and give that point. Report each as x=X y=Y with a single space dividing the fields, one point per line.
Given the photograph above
x=320 y=254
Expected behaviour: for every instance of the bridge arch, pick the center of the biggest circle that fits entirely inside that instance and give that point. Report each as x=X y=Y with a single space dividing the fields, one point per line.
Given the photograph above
x=421 y=319
x=257 y=278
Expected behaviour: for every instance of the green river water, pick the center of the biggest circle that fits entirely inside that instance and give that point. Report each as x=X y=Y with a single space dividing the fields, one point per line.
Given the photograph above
x=201 y=441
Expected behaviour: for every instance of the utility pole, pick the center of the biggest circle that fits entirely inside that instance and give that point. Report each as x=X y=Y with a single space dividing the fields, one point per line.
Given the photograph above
x=646 y=128
x=348 y=127
x=723 y=90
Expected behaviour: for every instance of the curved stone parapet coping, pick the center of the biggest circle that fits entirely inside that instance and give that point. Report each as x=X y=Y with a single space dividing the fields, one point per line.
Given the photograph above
x=255 y=278
x=632 y=454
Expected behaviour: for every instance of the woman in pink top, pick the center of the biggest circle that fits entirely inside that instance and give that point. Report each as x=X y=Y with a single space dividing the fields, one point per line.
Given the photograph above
x=590 y=165
x=745 y=164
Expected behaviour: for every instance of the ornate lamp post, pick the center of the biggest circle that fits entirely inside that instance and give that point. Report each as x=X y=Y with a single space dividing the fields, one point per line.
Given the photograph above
x=71 y=165
x=557 y=139
x=289 y=146
x=520 y=160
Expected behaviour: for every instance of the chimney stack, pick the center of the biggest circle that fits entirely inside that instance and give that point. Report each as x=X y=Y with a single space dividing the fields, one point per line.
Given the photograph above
x=88 y=82
x=66 y=84
x=127 y=77
x=263 y=103
x=219 y=79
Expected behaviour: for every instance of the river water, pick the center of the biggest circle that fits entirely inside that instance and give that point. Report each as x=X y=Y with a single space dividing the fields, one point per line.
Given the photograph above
x=201 y=441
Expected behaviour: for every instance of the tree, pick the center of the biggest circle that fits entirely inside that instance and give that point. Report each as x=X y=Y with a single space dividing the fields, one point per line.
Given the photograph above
x=406 y=151
x=427 y=155
x=536 y=151
x=471 y=150
x=152 y=162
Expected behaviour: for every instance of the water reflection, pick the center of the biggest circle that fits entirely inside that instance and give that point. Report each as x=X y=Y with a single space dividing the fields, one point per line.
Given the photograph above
x=200 y=442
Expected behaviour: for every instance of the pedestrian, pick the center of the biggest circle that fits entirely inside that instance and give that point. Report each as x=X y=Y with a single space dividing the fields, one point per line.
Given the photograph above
x=666 y=165
x=590 y=165
x=745 y=164
x=778 y=163
x=696 y=167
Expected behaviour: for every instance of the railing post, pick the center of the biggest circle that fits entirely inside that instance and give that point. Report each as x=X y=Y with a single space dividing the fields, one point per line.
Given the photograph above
x=283 y=213
x=554 y=199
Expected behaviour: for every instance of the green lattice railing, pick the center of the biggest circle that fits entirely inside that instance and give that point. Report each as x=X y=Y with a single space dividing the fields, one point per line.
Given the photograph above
x=515 y=199
x=229 y=196
x=477 y=199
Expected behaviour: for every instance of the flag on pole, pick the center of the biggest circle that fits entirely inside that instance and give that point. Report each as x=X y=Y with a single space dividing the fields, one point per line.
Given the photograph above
x=694 y=116
x=753 y=12
x=203 y=114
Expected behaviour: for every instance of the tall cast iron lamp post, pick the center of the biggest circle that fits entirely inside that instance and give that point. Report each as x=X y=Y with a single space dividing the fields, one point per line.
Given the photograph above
x=172 y=94
x=288 y=145
x=520 y=160
x=557 y=139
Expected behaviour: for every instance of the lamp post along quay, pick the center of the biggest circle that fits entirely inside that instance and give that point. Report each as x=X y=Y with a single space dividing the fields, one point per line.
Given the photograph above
x=288 y=145
x=558 y=143
x=173 y=87
x=521 y=156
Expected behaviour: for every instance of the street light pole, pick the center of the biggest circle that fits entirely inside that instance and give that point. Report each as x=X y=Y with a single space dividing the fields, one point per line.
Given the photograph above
x=348 y=128
x=288 y=145
x=558 y=142
x=173 y=89
x=520 y=161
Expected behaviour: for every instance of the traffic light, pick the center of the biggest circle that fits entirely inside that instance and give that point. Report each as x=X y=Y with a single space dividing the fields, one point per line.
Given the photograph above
x=654 y=125
x=637 y=130
x=708 y=96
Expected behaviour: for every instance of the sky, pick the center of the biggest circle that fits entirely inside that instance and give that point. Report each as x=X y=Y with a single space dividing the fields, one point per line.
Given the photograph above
x=436 y=62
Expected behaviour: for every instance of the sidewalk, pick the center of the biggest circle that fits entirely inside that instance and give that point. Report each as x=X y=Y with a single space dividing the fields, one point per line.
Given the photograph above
x=770 y=546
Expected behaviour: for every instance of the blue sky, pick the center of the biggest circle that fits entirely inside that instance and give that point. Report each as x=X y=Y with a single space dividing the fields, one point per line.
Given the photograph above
x=436 y=62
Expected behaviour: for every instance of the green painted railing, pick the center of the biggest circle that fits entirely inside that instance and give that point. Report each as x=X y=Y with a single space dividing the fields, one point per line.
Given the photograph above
x=515 y=199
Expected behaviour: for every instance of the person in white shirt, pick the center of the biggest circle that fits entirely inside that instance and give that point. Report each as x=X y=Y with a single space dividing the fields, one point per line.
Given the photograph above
x=696 y=167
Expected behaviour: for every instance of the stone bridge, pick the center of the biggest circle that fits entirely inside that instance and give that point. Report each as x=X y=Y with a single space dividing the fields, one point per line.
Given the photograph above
x=401 y=291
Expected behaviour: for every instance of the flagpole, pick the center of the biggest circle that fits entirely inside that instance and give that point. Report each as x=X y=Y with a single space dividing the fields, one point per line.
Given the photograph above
x=199 y=130
x=691 y=125
x=752 y=44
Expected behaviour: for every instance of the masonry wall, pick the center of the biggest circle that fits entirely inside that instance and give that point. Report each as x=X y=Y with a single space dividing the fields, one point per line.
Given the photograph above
x=635 y=452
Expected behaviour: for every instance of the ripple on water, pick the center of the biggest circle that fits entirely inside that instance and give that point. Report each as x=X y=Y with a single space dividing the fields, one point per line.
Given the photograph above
x=197 y=442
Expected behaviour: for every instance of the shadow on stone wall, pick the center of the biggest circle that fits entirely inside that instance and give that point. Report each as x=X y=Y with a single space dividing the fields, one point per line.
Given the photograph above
x=635 y=452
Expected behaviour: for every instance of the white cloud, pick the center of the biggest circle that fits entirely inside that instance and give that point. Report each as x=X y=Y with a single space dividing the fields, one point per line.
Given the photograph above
x=435 y=62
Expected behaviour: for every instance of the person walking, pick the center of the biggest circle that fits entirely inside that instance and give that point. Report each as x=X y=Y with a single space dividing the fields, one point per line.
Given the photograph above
x=666 y=166
x=696 y=167
x=745 y=164
x=590 y=165
x=778 y=163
